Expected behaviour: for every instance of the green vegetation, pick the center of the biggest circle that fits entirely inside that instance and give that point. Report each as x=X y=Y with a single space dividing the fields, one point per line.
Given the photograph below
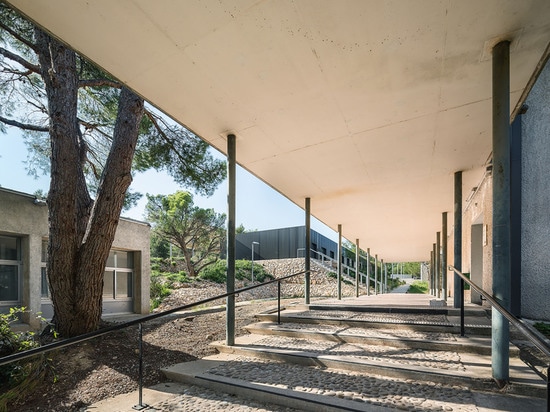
x=18 y=378
x=243 y=271
x=419 y=286
x=543 y=328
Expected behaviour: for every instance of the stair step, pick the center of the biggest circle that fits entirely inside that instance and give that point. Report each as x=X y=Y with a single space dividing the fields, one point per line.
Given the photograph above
x=418 y=322
x=318 y=388
x=397 y=338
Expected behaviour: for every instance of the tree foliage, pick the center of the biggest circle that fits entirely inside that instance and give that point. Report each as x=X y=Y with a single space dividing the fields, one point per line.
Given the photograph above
x=88 y=132
x=197 y=232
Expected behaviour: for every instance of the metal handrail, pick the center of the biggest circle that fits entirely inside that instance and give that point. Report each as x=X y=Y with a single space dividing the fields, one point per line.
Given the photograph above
x=516 y=322
x=90 y=335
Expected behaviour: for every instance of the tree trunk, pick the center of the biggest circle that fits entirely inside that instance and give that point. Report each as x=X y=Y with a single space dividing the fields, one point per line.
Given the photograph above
x=81 y=232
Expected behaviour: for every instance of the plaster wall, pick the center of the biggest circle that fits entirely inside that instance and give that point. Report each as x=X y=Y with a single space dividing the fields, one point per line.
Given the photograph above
x=535 y=236
x=23 y=217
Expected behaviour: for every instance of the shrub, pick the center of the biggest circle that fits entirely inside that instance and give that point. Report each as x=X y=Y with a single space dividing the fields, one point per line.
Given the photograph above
x=243 y=271
x=419 y=286
x=159 y=291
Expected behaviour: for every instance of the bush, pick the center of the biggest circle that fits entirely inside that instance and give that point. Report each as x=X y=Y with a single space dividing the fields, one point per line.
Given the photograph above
x=419 y=286
x=159 y=290
x=18 y=378
x=243 y=271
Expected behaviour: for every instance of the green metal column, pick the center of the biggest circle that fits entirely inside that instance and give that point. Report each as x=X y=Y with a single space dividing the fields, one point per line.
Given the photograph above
x=357 y=250
x=376 y=274
x=339 y=277
x=231 y=208
x=457 y=239
x=308 y=251
x=438 y=265
x=444 y=256
x=501 y=208
x=368 y=271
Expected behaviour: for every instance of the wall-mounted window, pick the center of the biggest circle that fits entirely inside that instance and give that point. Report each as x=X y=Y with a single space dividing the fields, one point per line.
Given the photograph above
x=118 y=282
x=10 y=264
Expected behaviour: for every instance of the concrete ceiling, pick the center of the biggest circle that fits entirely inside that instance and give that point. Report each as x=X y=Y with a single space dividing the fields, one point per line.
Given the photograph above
x=366 y=107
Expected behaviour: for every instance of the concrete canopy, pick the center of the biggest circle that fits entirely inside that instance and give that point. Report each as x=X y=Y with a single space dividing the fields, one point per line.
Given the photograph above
x=366 y=107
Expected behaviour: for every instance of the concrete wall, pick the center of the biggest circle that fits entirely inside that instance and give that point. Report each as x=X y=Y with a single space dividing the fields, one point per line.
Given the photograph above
x=535 y=236
x=23 y=217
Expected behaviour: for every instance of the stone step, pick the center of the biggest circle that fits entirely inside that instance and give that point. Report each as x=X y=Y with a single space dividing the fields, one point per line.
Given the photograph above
x=320 y=388
x=396 y=338
x=445 y=367
x=432 y=322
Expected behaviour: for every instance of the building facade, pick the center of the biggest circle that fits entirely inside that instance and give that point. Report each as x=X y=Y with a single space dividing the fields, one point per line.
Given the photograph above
x=23 y=252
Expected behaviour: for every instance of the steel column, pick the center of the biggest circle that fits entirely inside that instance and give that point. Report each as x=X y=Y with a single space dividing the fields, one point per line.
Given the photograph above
x=444 y=255
x=231 y=209
x=438 y=265
x=434 y=271
x=376 y=274
x=501 y=208
x=339 y=275
x=357 y=250
x=457 y=238
x=308 y=251
x=368 y=271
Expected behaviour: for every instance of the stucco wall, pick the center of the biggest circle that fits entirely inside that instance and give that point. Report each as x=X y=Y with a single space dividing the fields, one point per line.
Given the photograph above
x=535 y=237
x=22 y=217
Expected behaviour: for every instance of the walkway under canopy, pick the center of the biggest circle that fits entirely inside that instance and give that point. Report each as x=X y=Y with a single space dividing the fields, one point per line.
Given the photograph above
x=366 y=107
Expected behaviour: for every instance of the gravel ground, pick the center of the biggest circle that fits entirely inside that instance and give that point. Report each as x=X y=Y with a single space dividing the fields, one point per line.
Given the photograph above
x=108 y=366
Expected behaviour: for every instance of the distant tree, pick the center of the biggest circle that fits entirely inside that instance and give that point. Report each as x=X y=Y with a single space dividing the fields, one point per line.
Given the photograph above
x=240 y=229
x=197 y=232
x=160 y=247
x=88 y=132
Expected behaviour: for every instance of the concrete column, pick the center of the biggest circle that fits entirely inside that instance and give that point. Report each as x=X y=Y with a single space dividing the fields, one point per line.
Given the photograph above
x=501 y=208
x=368 y=271
x=438 y=265
x=457 y=238
x=231 y=212
x=357 y=252
x=339 y=275
x=308 y=251
x=444 y=256
x=376 y=274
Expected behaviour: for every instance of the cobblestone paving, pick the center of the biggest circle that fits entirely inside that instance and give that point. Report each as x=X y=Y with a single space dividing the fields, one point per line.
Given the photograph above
x=370 y=332
x=406 y=395
x=198 y=399
x=404 y=356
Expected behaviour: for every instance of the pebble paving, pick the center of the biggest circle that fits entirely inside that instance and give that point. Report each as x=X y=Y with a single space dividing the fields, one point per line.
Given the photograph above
x=373 y=389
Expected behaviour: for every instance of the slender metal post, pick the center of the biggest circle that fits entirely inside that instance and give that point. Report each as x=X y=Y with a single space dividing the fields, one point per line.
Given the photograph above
x=357 y=250
x=501 y=208
x=457 y=237
x=382 y=278
x=376 y=274
x=462 y=327
x=140 y=405
x=308 y=252
x=231 y=213
x=444 y=256
x=431 y=271
x=368 y=271
x=434 y=271
x=339 y=275
x=438 y=265
x=279 y=302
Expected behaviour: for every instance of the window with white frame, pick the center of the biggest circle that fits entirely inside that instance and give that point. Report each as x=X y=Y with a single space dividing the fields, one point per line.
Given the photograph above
x=10 y=269
x=118 y=282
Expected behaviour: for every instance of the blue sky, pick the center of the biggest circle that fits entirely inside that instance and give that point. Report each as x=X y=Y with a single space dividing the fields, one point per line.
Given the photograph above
x=258 y=206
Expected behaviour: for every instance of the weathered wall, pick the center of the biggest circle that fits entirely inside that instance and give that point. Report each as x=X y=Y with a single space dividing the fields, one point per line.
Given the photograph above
x=535 y=236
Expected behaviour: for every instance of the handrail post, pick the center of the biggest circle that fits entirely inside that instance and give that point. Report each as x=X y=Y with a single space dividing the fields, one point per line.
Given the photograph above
x=279 y=302
x=462 y=328
x=140 y=406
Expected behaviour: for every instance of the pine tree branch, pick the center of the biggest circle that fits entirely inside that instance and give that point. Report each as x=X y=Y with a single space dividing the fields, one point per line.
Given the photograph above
x=17 y=36
x=24 y=126
x=99 y=83
x=19 y=60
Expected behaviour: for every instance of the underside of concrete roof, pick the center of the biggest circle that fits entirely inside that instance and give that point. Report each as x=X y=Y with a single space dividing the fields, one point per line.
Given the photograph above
x=366 y=107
